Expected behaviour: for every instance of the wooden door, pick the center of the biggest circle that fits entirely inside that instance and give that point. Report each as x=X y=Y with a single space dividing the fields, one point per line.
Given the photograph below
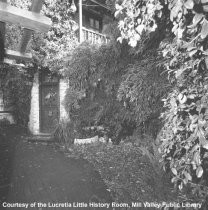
x=49 y=103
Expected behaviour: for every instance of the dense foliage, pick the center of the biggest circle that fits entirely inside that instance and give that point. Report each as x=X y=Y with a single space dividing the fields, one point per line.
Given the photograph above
x=94 y=74
x=109 y=88
x=184 y=144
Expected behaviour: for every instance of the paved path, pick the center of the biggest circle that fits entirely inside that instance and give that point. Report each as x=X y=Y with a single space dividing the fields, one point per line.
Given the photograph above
x=41 y=173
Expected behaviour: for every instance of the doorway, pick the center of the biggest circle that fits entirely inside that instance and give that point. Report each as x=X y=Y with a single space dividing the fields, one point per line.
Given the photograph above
x=49 y=102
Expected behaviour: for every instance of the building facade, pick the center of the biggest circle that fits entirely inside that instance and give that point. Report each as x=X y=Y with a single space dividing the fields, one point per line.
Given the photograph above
x=48 y=92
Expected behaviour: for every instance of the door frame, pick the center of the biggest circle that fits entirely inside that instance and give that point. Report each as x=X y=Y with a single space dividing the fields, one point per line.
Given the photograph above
x=41 y=85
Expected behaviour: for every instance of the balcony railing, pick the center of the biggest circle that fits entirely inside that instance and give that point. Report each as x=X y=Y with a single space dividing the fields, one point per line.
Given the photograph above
x=94 y=37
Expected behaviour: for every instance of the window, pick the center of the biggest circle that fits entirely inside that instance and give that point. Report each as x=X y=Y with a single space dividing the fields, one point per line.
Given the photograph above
x=95 y=24
x=92 y=21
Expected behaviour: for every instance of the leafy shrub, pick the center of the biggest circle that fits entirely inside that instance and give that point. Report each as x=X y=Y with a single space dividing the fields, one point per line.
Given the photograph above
x=184 y=135
x=94 y=75
x=64 y=133
x=143 y=86
x=106 y=89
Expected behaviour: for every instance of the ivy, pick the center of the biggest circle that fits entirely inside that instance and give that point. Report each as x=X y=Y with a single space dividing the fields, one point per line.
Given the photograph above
x=16 y=87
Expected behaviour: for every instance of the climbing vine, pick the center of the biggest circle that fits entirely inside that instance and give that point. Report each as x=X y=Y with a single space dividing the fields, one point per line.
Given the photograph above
x=16 y=87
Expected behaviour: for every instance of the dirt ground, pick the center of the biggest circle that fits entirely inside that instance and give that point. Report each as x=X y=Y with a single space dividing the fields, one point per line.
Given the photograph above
x=41 y=173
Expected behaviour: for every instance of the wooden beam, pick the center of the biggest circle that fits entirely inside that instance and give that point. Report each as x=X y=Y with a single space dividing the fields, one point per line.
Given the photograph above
x=2 y=38
x=12 y=63
x=2 y=41
x=2 y=30
x=27 y=19
x=18 y=55
x=35 y=7
x=102 y=5
x=80 y=22
x=2 y=25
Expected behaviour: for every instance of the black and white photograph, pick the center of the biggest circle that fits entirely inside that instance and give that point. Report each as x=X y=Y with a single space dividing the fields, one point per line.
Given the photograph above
x=104 y=104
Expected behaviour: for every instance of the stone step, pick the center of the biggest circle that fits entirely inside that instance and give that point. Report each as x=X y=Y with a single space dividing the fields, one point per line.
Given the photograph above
x=41 y=138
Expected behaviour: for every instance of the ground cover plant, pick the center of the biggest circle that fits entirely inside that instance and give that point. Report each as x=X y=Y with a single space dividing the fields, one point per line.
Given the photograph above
x=130 y=173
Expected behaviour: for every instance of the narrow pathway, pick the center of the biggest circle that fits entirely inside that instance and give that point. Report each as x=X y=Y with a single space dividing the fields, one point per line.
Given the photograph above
x=43 y=174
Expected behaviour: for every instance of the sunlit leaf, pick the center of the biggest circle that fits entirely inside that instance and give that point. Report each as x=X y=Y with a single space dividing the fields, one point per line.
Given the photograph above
x=197 y=18
x=174 y=171
x=199 y=172
x=189 y=4
x=204 y=31
x=188 y=176
x=192 y=52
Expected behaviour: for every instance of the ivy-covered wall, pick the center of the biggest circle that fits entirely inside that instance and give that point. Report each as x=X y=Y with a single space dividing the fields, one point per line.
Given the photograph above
x=16 y=88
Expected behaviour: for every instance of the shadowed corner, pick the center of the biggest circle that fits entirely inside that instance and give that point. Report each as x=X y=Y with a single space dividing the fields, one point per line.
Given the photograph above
x=2 y=49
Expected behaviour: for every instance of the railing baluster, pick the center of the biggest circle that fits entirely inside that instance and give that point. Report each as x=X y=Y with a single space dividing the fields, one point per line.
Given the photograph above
x=94 y=37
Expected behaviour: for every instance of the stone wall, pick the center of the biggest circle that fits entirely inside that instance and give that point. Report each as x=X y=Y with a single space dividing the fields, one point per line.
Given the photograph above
x=34 y=119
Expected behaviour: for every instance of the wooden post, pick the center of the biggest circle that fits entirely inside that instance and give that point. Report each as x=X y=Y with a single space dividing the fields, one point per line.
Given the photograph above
x=35 y=7
x=2 y=25
x=18 y=55
x=2 y=38
x=102 y=5
x=80 y=22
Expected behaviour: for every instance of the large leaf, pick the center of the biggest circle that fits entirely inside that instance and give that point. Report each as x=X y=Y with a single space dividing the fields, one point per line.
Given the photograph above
x=189 y=4
x=196 y=19
x=179 y=72
x=188 y=176
x=199 y=171
x=174 y=171
x=192 y=52
x=182 y=98
x=204 y=31
x=206 y=61
x=175 y=10
x=205 y=6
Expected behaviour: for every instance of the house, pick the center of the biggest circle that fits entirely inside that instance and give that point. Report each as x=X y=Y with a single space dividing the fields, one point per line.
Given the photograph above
x=30 y=21
x=48 y=92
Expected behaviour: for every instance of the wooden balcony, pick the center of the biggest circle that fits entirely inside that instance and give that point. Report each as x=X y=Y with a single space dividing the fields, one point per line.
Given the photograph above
x=94 y=37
